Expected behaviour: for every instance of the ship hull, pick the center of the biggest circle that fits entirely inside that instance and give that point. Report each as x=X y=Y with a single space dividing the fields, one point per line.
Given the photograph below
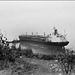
x=61 y=44
x=41 y=48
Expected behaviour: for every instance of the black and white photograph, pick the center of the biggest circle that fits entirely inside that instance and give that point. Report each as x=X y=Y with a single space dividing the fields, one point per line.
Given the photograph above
x=37 y=37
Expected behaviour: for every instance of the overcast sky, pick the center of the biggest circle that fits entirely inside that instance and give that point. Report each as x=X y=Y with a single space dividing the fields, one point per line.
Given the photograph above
x=19 y=17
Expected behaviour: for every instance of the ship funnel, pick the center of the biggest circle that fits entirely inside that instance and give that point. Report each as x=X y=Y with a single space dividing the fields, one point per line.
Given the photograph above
x=55 y=31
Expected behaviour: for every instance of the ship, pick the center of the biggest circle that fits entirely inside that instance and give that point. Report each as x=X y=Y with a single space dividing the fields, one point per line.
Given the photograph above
x=53 y=41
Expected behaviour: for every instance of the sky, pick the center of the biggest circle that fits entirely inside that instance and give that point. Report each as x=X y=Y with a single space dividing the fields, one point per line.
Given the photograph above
x=18 y=17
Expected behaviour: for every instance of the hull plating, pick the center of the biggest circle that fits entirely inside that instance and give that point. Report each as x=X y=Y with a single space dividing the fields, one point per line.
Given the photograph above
x=41 y=49
x=43 y=42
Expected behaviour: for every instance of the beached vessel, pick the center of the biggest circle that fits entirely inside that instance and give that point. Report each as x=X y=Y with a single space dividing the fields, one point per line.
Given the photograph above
x=53 y=41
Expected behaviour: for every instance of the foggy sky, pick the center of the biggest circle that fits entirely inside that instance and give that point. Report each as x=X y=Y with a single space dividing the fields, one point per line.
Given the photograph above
x=18 y=17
